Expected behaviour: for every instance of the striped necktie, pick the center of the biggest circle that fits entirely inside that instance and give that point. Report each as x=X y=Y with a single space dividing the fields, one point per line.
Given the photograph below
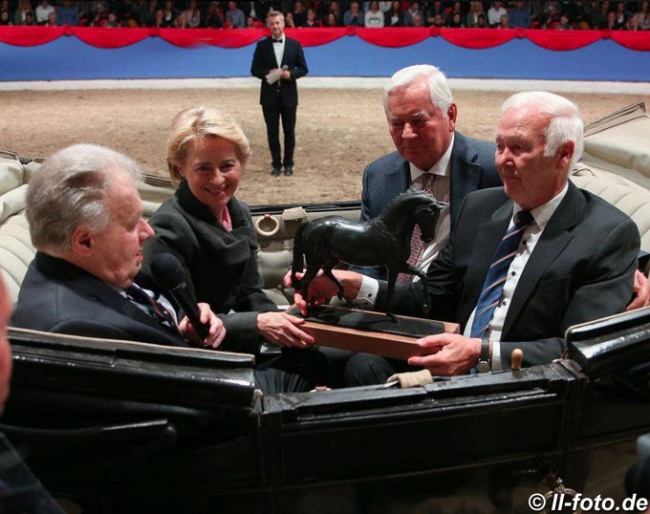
x=153 y=307
x=496 y=276
x=417 y=245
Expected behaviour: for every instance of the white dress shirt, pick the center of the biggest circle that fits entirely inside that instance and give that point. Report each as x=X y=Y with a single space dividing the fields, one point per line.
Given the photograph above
x=533 y=232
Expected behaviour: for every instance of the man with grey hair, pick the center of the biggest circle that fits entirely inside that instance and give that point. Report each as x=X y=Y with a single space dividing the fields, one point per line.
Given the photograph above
x=431 y=155
x=524 y=262
x=85 y=219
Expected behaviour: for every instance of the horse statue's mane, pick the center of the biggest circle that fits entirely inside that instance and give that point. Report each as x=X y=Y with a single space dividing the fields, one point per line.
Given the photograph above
x=383 y=241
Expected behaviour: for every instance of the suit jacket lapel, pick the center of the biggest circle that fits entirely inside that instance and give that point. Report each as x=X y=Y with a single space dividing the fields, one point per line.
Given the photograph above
x=489 y=235
x=465 y=174
x=555 y=238
x=288 y=48
x=95 y=288
x=397 y=179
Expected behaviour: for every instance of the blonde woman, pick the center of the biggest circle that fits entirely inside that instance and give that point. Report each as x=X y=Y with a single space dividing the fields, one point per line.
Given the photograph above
x=211 y=232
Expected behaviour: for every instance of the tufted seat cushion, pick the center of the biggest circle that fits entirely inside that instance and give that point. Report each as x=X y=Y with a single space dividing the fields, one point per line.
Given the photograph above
x=626 y=195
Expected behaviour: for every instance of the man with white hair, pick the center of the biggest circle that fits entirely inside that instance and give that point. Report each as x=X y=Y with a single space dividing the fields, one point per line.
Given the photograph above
x=430 y=155
x=523 y=263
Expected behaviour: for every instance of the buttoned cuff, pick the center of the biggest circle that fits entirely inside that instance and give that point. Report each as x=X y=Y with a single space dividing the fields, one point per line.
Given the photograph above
x=367 y=295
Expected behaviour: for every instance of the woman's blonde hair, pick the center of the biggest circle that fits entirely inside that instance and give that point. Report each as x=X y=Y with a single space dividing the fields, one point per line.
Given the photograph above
x=197 y=122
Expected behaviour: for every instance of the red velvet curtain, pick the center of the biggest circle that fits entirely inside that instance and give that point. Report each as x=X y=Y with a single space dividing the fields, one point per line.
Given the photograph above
x=388 y=37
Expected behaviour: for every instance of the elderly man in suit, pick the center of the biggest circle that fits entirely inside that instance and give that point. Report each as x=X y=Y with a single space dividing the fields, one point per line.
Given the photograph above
x=85 y=219
x=279 y=62
x=430 y=154
x=513 y=280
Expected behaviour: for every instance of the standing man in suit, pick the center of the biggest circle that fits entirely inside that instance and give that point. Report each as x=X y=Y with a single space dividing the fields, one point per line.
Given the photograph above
x=574 y=263
x=279 y=62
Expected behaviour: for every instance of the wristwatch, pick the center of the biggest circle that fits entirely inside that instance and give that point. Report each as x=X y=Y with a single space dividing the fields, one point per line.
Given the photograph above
x=484 y=364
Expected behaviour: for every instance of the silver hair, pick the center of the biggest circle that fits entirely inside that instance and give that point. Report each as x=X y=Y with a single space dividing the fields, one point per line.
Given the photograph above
x=565 y=125
x=70 y=189
x=441 y=95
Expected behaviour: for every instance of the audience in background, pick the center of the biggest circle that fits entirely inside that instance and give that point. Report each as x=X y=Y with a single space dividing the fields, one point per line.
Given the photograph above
x=24 y=8
x=299 y=13
x=394 y=17
x=374 y=18
x=354 y=16
x=577 y=15
x=495 y=13
x=411 y=12
x=476 y=9
x=192 y=15
x=312 y=19
x=43 y=10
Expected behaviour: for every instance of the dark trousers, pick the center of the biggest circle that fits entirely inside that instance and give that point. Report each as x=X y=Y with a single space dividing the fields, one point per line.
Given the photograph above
x=272 y=116
x=296 y=370
x=365 y=369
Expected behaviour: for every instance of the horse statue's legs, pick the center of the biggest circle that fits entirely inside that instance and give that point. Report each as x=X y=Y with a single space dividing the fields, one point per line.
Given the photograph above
x=327 y=271
x=392 y=278
x=310 y=274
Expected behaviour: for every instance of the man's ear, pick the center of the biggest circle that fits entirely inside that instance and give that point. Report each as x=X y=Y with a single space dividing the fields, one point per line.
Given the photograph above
x=452 y=112
x=565 y=154
x=82 y=241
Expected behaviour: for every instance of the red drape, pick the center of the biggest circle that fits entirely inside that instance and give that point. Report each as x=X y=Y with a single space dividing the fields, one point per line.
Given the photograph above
x=388 y=37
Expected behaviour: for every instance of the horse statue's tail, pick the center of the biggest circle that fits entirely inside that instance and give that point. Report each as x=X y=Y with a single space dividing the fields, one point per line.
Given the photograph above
x=298 y=264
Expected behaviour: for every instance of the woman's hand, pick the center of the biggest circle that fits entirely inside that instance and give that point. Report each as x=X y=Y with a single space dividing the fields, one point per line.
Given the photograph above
x=282 y=329
x=216 y=332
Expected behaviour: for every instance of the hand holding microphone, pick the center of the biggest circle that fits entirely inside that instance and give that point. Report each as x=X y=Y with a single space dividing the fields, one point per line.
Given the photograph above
x=170 y=275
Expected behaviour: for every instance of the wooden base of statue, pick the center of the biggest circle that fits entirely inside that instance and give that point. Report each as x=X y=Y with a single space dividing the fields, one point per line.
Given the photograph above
x=370 y=332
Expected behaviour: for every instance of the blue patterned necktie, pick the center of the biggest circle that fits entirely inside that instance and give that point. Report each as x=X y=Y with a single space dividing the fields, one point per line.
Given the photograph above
x=152 y=306
x=496 y=276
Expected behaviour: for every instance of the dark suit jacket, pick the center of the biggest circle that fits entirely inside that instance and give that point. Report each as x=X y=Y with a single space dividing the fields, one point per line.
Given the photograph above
x=581 y=269
x=57 y=296
x=221 y=266
x=264 y=61
x=20 y=490
x=471 y=168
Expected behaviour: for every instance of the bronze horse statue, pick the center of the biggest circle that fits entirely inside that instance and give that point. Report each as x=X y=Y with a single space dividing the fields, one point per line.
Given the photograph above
x=383 y=241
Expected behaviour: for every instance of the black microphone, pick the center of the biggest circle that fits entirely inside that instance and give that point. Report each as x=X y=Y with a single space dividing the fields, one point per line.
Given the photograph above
x=170 y=275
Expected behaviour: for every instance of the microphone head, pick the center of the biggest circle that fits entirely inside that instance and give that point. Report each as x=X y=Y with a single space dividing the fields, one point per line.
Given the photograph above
x=168 y=271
